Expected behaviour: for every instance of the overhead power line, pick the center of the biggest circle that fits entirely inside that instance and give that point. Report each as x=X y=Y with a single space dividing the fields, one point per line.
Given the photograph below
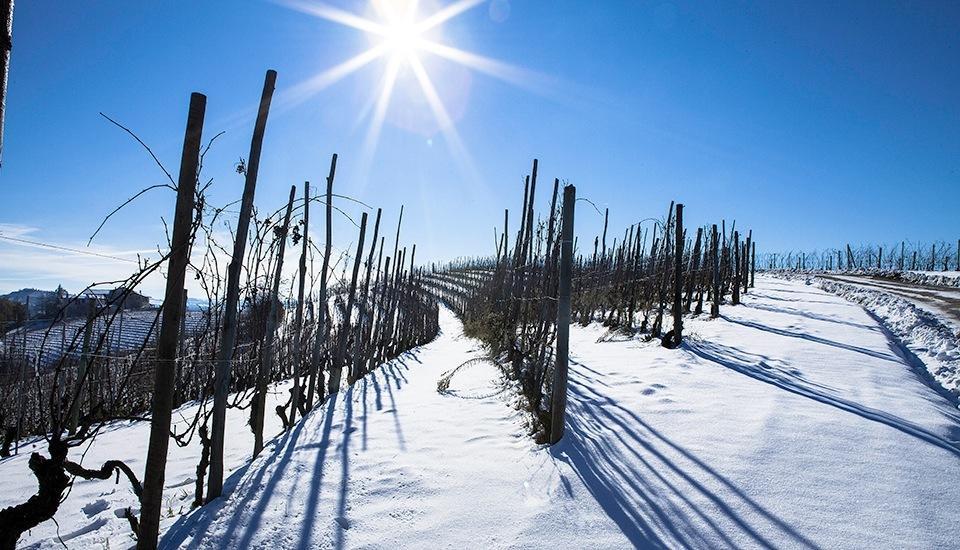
x=66 y=249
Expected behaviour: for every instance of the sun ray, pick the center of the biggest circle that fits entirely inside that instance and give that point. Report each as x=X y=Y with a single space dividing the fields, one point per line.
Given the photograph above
x=369 y=147
x=447 y=13
x=400 y=33
x=330 y=13
x=380 y=110
x=314 y=84
x=447 y=127
x=512 y=74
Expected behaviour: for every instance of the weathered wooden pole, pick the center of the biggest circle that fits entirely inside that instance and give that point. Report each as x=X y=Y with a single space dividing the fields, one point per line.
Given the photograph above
x=694 y=270
x=343 y=336
x=298 y=320
x=6 y=19
x=715 y=264
x=603 y=240
x=753 y=263
x=746 y=262
x=153 y=477
x=558 y=399
x=221 y=382
x=677 y=336
x=266 y=362
x=735 y=300
x=323 y=323
x=74 y=416
x=365 y=318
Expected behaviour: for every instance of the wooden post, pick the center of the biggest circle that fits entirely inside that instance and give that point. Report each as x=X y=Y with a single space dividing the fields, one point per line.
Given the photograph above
x=266 y=362
x=694 y=270
x=153 y=477
x=323 y=324
x=366 y=312
x=558 y=399
x=753 y=263
x=715 y=260
x=603 y=241
x=74 y=417
x=298 y=321
x=677 y=282
x=221 y=383
x=344 y=335
x=6 y=44
x=745 y=260
x=736 y=268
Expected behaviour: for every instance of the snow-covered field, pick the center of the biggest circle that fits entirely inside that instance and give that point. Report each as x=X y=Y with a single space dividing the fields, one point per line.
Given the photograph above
x=795 y=421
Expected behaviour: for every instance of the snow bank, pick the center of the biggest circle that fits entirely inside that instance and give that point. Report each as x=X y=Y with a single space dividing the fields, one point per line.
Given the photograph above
x=929 y=338
x=932 y=278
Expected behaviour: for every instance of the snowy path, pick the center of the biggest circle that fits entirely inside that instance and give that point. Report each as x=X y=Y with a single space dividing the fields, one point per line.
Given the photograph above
x=943 y=301
x=793 y=422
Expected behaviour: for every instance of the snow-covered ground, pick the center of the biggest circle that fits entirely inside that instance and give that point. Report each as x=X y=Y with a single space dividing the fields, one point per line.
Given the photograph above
x=92 y=514
x=795 y=421
x=925 y=319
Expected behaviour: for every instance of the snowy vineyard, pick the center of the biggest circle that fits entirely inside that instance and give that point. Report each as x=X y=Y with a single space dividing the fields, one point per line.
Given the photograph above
x=526 y=368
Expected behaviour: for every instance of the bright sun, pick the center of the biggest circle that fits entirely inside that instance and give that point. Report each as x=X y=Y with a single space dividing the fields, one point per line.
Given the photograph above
x=402 y=38
x=399 y=35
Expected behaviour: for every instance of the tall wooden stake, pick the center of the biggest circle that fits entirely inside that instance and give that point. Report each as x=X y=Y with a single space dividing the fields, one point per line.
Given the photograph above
x=74 y=416
x=715 y=263
x=298 y=322
x=6 y=44
x=153 y=477
x=558 y=399
x=344 y=335
x=736 y=268
x=323 y=323
x=221 y=383
x=676 y=338
x=266 y=362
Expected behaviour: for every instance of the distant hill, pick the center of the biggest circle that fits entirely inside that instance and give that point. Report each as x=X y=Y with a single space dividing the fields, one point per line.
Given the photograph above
x=36 y=297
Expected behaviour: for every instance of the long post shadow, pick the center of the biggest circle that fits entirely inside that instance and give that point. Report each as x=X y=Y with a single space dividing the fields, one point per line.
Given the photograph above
x=728 y=357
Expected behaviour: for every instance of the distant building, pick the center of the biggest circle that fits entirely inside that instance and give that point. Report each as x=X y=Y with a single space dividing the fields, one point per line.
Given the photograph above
x=117 y=297
x=133 y=300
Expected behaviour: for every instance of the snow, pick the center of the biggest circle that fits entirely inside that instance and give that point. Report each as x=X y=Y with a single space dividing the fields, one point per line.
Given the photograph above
x=795 y=420
x=935 y=278
x=927 y=328
x=92 y=516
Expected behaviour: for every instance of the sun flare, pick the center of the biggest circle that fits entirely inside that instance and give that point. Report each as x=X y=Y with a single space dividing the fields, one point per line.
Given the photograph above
x=401 y=36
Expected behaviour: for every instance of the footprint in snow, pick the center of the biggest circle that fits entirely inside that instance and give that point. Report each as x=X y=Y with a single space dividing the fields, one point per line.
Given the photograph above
x=343 y=522
x=95 y=507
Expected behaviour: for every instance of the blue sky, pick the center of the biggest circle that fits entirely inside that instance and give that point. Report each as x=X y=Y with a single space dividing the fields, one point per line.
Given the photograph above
x=812 y=123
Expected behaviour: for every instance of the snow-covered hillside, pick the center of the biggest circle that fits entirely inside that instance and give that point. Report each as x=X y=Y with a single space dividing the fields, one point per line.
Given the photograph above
x=793 y=421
